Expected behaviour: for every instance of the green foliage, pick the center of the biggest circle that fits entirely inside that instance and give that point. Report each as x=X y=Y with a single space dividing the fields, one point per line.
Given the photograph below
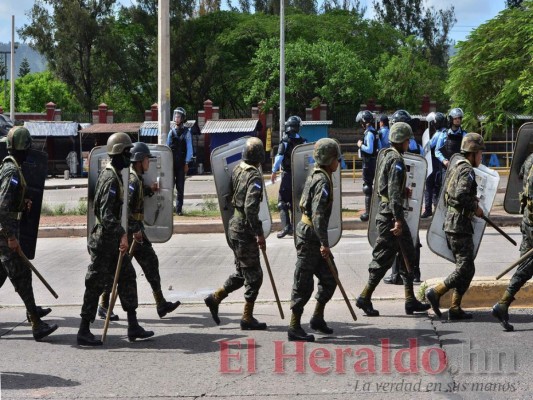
x=491 y=74
x=209 y=204
x=24 y=68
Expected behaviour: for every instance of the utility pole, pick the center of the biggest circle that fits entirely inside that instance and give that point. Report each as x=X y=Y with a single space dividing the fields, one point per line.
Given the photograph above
x=281 y=68
x=12 y=101
x=163 y=69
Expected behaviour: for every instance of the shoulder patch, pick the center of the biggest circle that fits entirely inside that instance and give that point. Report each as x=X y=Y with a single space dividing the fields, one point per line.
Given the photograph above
x=257 y=185
x=112 y=191
x=14 y=181
x=132 y=188
x=398 y=166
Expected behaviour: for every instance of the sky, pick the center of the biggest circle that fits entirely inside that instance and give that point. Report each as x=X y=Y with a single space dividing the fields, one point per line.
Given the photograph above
x=469 y=14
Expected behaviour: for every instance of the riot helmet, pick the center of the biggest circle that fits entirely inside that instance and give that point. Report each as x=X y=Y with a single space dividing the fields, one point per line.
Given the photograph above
x=385 y=119
x=139 y=151
x=293 y=124
x=401 y=116
x=117 y=143
x=19 y=139
x=253 y=151
x=437 y=120
x=454 y=113
x=325 y=151
x=364 y=117
x=472 y=142
x=400 y=132
x=182 y=113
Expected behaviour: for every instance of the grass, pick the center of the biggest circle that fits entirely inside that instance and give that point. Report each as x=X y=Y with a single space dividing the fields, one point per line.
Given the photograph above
x=61 y=209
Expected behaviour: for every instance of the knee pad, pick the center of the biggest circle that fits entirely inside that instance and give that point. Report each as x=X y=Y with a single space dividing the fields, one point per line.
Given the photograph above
x=282 y=206
x=367 y=189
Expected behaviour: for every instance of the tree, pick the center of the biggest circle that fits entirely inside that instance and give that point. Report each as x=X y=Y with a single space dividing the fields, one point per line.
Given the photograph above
x=24 y=68
x=412 y=19
x=3 y=69
x=513 y=3
x=491 y=74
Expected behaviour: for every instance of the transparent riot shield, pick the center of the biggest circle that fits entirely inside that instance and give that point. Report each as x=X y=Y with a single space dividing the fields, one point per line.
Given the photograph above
x=223 y=159
x=487 y=180
x=416 y=167
x=35 y=170
x=523 y=148
x=158 y=212
x=302 y=165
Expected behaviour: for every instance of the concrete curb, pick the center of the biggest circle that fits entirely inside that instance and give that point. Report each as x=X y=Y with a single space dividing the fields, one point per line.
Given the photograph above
x=484 y=292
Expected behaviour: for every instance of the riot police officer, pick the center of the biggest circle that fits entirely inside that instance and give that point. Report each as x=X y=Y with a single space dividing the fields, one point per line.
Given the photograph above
x=449 y=143
x=383 y=131
x=290 y=140
x=105 y=241
x=13 y=202
x=369 y=147
x=460 y=197
x=179 y=139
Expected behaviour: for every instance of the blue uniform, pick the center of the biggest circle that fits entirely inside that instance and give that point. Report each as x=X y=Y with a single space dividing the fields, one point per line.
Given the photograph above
x=448 y=143
x=384 y=134
x=180 y=141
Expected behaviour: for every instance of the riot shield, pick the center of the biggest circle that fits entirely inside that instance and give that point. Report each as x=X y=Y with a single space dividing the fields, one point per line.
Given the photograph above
x=416 y=167
x=158 y=212
x=35 y=170
x=223 y=159
x=487 y=181
x=523 y=148
x=302 y=165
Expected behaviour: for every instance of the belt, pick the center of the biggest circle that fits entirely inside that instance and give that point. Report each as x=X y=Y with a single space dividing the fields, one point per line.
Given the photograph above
x=306 y=220
x=138 y=216
x=455 y=210
x=15 y=215
x=239 y=213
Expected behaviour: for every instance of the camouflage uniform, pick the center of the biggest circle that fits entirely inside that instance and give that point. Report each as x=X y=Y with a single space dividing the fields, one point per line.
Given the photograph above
x=12 y=192
x=103 y=247
x=460 y=196
x=311 y=233
x=244 y=227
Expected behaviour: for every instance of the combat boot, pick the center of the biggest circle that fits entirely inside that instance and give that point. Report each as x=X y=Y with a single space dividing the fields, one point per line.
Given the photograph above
x=213 y=300
x=412 y=305
x=433 y=295
x=500 y=310
x=104 y=306
x=366 y=215
x=456 y=313
x=248 y=322
x=41 y=312
x=164 y=307
x=285 y=221
x=393 y=279
x=135 y=331
x=85 y=337
x=367 y=307
x=296 y=332
x=39 y=328
x=317 y=322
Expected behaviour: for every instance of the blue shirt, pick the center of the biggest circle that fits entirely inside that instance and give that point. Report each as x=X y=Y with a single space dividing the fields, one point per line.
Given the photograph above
x=434 y=139
x=414 y=146
x=442 y=138
x=279 y=158
x=385 y=143
x=188 y=141
x=368 y=141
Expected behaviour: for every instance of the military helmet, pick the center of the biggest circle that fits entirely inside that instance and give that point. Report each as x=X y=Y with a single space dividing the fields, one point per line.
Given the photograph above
x=293 y=124
x=180 y=111
x=400 y=116
x=18 y=138
x=399 y=132
x=364 y=117
x=472 y=142
x=253 y=151
x=117 y=143
x=325 y=151
x=436 y=120
x=139 y=151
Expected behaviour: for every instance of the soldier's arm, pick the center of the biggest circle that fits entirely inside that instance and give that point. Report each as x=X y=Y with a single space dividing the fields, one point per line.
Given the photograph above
x=438 y=146
x=396 y=191
x=466 y=178
x=8 y=186
x=319 y=206
x=252 y=203
x=110 y=195
x=133 y=192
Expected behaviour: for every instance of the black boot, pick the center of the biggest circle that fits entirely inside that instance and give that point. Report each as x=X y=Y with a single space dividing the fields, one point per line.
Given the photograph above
x=213 y=300
x=296 y=332
x=366 y=305
x=456 y=313
x=85 y=337
x=248 y=322
x=102 y=313
x=285 y=221
x=393 y=279
x=413 y=306
x=41 y=312
x=433 y=295
x=39 y=328
x=135 y=331
x=164 y=307
x=366 y=215
x=501 y=311
x=318 y=323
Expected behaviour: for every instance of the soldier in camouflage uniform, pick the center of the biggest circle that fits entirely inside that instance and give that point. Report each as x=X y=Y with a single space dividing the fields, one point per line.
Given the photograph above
x=246 y=235
x=460 y=198
x=143 y=252
x=312 y=246
x=394 y=235
x=12 y=204
x=106 y=240
x=524 y=271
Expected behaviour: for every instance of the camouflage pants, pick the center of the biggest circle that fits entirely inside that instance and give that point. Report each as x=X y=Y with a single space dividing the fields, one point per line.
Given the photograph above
x=101 y=272
x=248 y=272
x=524 y=271
x=12 y=266
x=462 y=246
x=308 y=264
x=386 y=248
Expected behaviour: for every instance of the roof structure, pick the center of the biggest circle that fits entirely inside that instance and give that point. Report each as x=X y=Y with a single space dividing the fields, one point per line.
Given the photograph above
x=231 y=126
x=52 y=128
x=129 y=127
x=151 y=128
